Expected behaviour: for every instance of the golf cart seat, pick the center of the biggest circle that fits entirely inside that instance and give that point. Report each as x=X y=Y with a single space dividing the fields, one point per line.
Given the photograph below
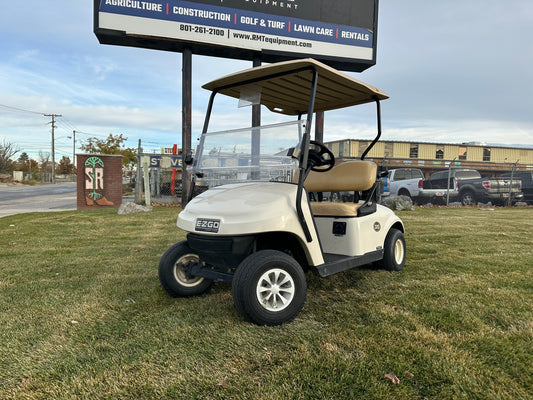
x=351 y=176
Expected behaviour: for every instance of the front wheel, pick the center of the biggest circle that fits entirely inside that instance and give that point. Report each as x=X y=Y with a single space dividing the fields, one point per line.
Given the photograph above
x=394 y=251
x=269 y=288
x=174 y=272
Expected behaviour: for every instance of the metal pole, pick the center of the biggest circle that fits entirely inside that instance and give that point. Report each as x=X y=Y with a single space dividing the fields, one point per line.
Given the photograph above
x=319 y=128
x=53 y=155
x=186 y=107
x=73 y=150
x=448 y=183
x=256 y=108
x=138 y=198
x=509 y=200
x=256 y=121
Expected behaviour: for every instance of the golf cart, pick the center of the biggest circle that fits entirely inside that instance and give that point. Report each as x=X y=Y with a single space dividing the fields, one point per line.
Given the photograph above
x=261 y=224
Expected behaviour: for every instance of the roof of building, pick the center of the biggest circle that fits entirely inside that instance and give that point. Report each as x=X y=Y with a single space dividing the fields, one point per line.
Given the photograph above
x=469 y=144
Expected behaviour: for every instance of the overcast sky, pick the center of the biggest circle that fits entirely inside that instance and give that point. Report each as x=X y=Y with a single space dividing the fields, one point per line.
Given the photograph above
x=456 y=71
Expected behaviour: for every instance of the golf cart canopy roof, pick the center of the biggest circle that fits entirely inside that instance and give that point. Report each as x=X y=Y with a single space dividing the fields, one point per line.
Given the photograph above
x=285 y=87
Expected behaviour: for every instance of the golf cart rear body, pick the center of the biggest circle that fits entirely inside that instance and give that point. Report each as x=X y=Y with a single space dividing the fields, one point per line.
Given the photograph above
x=260 y=226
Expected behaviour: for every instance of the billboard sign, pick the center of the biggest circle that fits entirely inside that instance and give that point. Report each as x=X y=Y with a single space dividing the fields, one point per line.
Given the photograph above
x=340 y=33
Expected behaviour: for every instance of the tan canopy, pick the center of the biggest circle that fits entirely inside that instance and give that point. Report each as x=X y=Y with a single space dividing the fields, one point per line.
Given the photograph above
x=289 y=94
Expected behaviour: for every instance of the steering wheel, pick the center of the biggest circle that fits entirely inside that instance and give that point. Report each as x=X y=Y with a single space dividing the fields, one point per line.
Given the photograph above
x=321 y=157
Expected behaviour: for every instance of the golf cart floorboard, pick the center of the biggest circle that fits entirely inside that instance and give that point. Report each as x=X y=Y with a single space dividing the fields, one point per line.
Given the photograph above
x=337 y=263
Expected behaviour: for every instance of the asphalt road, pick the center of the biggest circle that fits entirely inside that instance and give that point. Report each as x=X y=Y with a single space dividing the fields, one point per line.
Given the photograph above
x=38 y=198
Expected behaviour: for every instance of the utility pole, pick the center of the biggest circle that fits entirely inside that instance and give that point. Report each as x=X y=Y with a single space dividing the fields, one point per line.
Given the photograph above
x=53 y=116
x=73 y=137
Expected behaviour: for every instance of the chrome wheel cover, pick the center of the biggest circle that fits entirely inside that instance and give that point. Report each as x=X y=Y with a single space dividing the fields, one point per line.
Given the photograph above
x=275 y=289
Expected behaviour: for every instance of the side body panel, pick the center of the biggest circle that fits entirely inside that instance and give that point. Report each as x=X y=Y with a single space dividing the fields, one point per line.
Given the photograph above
x=361 y=235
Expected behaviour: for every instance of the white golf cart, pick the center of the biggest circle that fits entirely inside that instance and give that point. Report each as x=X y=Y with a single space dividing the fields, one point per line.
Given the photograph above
x=262 y=223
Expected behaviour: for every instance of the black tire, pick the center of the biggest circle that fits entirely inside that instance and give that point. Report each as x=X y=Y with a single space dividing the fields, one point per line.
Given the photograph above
x=404 y=192
x=257 y=293
x=468 y=198
x=394 y=251
x=174 y=268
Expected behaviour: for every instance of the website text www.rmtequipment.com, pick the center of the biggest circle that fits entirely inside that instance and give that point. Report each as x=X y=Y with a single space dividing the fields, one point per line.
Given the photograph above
x=272 y=40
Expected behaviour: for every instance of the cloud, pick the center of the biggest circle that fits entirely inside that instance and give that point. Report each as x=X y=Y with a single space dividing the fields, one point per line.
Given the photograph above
x=457 y=64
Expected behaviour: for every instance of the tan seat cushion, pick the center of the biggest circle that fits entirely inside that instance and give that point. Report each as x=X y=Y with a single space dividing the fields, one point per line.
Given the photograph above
x=346 y=177
x=350 y=176
x=329 y=209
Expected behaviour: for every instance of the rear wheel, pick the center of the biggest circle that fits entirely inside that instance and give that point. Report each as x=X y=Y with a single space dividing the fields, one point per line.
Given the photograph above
x=394 y=251
x=269 y=288
x=404 y=192
x=468 y=198
x=175 y=272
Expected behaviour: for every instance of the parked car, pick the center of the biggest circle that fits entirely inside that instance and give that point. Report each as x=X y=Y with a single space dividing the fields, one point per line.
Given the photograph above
x=526 y=177
x=468 y=187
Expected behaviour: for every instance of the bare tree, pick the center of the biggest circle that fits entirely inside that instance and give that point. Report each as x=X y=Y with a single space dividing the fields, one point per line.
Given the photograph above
x=44 y=161
x=7 y=150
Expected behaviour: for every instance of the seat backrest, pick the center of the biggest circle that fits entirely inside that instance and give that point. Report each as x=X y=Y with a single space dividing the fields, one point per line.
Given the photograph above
x=349 y=176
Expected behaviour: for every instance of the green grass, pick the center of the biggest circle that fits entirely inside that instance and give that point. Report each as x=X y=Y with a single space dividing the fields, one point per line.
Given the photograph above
x=82 y=316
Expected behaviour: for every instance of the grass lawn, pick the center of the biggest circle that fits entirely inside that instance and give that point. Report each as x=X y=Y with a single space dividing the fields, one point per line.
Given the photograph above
x=83 y=316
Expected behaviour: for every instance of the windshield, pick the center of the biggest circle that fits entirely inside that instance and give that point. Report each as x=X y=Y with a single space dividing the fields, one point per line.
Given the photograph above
x=250 y=154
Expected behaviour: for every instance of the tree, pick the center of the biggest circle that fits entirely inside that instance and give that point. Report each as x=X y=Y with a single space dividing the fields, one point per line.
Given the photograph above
x=44 y=162
x=7 y=150
x=23 y=162
x=110 y=145
x=23 y=157
x=65 y=166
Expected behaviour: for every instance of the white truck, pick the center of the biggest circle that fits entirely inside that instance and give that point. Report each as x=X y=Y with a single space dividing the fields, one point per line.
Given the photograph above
x=403 y=182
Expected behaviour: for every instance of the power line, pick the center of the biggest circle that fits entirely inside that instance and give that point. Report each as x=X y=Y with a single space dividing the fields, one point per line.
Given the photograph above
x=91 y=134
x=21 y=110
x=68 y=123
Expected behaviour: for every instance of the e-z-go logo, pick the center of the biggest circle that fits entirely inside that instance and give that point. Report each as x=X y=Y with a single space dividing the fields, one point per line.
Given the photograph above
x=207 y=225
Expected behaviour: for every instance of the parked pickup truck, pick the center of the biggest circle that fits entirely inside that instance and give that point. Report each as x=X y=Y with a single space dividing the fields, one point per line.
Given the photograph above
x=527 y=183
x=468 y=187
x=402 y=182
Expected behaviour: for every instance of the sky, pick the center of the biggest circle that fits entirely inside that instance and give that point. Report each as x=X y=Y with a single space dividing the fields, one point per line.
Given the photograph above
x=456 y=71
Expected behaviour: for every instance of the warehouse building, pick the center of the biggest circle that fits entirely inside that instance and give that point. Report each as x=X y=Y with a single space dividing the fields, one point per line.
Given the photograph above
x=431 y=157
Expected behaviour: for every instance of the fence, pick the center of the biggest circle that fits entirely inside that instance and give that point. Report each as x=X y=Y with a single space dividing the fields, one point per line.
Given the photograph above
x=159 y=179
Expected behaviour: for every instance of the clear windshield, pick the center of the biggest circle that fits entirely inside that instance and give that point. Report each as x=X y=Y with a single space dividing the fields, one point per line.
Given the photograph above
x=250 y=154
